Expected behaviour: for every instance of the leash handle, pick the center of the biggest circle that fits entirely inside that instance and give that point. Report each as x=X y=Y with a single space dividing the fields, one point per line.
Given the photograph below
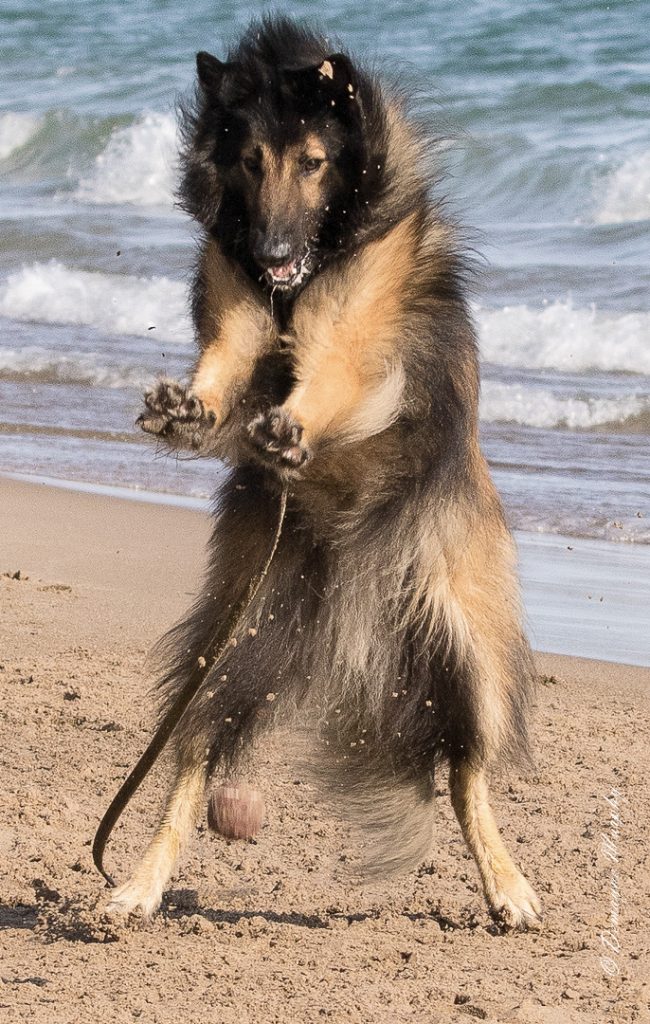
x=143 y=766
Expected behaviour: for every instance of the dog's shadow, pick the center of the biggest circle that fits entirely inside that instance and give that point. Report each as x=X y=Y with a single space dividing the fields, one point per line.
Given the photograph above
x=183 y=903
x=75 y=920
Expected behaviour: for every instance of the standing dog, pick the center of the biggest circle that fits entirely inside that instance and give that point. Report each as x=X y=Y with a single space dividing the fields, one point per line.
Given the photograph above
x=338 y=358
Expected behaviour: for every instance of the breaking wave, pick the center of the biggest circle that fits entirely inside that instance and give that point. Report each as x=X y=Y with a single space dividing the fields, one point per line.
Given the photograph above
x=35 y=363
x=15 y=131
x=563 y=337
x=626 y=194
x=137 y=166
x=541 y=407
x=53 y=293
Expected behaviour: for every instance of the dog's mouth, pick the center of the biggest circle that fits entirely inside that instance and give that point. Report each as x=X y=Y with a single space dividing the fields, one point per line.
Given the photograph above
x=288 y=275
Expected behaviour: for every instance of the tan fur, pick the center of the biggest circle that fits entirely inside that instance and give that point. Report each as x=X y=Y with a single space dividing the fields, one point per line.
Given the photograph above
x=467 y=582
x=379 y=408
x=235 y=331
x=143 y=891
x=482 y=584
x=507 y=892
x=279 y=189
x=345 y=326
x=313 y=146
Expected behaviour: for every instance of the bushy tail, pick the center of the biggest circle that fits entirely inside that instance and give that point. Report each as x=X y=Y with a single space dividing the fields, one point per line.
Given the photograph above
x=375 y=769
x=393 y=816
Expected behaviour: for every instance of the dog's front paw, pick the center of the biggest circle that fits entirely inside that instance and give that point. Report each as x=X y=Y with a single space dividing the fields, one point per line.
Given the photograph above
x=277 y=440
x=175 y=414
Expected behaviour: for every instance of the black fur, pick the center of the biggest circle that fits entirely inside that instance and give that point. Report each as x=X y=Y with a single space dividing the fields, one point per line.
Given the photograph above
x=334 y=631
x=272 y=74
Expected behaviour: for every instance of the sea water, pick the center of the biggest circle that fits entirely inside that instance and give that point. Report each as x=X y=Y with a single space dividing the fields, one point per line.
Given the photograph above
x=543 y=111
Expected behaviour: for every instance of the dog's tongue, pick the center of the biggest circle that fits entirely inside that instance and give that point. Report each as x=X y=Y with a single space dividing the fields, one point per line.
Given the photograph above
x=284 y=272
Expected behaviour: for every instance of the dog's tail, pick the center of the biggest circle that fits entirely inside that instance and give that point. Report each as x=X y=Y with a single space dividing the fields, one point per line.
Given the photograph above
x=374 y=763
x=391 y=814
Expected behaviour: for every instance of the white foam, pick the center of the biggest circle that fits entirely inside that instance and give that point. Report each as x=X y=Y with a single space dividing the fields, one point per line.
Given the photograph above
x=137 y=166
x=626 y=193
x=54 y=294
x=560 y=336
x=37 y=363
x=540 y=407
x=15 y=131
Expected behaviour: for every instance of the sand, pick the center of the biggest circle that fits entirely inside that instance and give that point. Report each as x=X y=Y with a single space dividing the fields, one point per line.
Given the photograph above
x=267 y=932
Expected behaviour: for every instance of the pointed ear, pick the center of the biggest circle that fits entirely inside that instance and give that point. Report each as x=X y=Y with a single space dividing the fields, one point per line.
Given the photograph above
x=339 y=70
x=325 y=83
x=224 y=84
x=210 y=71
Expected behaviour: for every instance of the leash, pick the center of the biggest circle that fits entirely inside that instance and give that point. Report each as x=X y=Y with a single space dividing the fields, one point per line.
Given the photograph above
x=123 y=796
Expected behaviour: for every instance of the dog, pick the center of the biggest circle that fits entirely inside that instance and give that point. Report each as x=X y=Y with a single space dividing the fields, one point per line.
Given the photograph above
x=338 y=361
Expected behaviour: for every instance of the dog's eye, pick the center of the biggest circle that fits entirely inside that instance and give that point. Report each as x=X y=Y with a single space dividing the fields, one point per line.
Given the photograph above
x=311 y=164
x=251 y=164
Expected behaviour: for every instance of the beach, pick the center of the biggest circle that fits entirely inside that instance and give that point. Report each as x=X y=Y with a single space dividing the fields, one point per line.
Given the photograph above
x=269 y=932
x=542 y=159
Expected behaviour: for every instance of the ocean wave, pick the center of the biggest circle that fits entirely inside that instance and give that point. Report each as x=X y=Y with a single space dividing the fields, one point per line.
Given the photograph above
x=555 y=337
x=541 y=407
x=137 y=166
x=53 y=293
x=15 y=131
x=38 y=364
x=626 y=192
x=560 y=336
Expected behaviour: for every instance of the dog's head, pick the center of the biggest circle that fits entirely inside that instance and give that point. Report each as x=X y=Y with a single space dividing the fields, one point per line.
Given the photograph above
x=286 y=144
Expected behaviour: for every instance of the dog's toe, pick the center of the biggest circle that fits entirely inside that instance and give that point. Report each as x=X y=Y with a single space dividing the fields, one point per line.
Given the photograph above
x=277 y=437
x=152 y=423
x=165 y=397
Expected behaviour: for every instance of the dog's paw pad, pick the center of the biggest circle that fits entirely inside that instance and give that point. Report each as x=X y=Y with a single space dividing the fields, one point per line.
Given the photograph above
x=174 y=401
x=277 y=437
x=165 y=397
x=172 y=412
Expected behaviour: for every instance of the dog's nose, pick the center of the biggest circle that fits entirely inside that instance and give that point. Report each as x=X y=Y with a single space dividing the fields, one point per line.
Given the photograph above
x=270 y=250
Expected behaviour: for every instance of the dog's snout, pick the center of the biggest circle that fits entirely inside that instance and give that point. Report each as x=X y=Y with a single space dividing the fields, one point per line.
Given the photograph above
x=271 y=250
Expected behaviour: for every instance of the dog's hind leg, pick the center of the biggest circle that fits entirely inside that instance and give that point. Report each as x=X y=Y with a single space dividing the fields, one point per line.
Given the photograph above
x=509 y=896
x=143 y=891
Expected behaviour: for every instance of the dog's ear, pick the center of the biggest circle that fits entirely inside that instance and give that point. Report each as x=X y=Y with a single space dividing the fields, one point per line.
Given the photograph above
x=224 y=84
x=211 y=72
x=339 y=71
x=325 y=84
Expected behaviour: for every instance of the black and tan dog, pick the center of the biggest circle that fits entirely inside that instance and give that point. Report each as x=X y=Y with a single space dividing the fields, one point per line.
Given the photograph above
x=337 y=353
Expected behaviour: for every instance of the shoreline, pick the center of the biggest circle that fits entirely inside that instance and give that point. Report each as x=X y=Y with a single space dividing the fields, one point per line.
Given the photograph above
x=583 y=598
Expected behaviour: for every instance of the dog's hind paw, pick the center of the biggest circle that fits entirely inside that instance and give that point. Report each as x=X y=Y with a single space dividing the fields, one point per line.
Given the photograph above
x=134 y=898
x=514 y=904
x=277 y=440
x=175 y=415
